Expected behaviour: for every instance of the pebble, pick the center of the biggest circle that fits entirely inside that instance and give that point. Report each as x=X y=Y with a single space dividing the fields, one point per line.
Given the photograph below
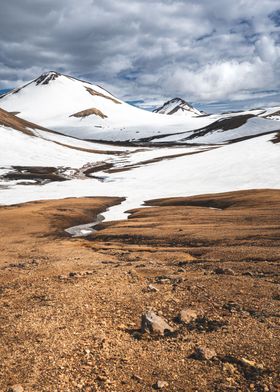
x=187 y=315
x=137 y=378
x=151 y=289
x=161 y=385
x=16 y=388
x=204 y=353
x=224 y=271
x=253 y=364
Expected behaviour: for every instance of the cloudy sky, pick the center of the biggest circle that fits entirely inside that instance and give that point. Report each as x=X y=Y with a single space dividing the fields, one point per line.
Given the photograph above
x=148 y=50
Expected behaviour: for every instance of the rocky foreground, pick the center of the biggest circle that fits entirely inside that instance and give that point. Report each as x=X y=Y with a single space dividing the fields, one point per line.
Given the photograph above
x=183 y=296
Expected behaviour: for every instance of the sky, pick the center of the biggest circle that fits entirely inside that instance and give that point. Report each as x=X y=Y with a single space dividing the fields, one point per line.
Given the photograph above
x=218 y=52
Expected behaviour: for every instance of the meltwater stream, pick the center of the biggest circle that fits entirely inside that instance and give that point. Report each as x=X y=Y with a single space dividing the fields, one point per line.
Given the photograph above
x=85 y=229
x=115 y=212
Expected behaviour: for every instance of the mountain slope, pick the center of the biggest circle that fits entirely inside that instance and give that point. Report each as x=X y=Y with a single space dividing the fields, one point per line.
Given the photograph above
x=247 y=164
x=11 y=121
x=24 y=143
x=87 y=111
x=82 y=110
x=225 y=130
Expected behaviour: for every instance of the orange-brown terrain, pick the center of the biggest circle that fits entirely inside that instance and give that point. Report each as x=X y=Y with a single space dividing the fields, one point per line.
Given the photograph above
x=71 y=308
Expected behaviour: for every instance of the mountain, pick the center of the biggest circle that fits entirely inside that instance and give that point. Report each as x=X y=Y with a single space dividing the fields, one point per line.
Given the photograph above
x=178 y=107
x=35 y=162
x=86 y=111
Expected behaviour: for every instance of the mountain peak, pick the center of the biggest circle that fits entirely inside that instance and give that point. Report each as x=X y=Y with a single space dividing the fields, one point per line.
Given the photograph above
x=47 y=77
x=178 y=106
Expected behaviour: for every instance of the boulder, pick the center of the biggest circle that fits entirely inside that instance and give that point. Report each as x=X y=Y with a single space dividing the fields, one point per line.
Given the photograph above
x=154 y=324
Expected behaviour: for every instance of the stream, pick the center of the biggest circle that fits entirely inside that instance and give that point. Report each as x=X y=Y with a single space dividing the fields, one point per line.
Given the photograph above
x=85 y=229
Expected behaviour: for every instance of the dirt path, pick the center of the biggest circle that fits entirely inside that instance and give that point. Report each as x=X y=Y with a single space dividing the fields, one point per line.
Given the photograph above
x=71 y=308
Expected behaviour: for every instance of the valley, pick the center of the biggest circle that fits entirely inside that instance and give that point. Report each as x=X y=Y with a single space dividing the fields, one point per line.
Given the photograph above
x=171 y=280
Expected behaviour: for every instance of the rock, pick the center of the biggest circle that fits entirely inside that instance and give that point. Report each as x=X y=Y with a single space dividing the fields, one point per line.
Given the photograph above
x=151 y=289
x=250 y=369
x=136 y=335
x=62 y=277
x=183 y=263
x=137 y=378
x=224 y=271
x=204 y=353
x=16 y=388
x=232 y=307
x=87 y=352
x=133 y=276
x=122 y=327
x=154 y=324
x=229 y=368
x=163 y=279
x=187 y=315
x=80 y=274
x=248 y=274
x=204 y=324
x=253 y=364
x=73 y=274
x=160 y=385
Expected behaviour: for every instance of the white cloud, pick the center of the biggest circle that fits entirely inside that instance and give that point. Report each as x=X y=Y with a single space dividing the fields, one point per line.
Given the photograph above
x=199 y=49
x=267 y=49
x=221 y=80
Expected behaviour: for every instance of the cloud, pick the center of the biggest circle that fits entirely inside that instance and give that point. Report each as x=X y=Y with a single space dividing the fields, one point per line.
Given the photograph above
x=221 y=80
x=148 y=51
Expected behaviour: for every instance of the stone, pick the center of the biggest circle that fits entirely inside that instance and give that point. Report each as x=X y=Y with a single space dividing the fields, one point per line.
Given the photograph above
x=73 y=274
x=204 y=353
x=247 y=362
x=162 y=279
x=229 y=368
x=224 y=271
x=137 y=378
x=248 y=274
x=154 y=324
x=16 y=388
x=232 y=307
x=251 y=369
x=204 y=324
x=187 y=315
x=151 y=289
x=160 y=385
x=122 y=327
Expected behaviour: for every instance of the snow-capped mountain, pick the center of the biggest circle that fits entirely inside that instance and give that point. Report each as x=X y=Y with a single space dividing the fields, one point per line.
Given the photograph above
x=178 y=107
x=81 y=109
x=28 y=150
x=86 y=111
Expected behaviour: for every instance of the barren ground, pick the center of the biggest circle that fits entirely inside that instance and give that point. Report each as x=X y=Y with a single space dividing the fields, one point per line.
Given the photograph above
x=71 y=308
